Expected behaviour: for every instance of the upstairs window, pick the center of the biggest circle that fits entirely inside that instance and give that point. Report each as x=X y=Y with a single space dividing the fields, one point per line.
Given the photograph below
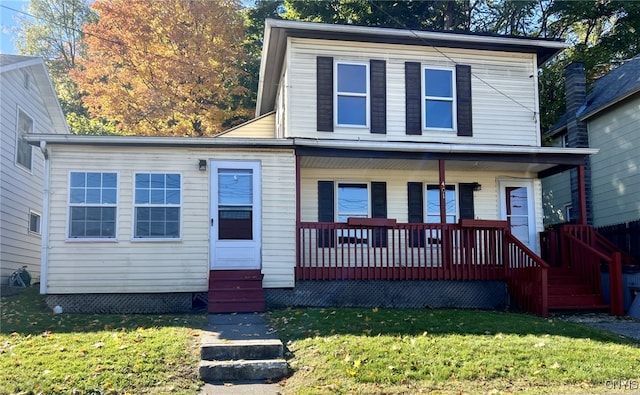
x=93 y=198
x=24 y=154
x=352 y=94
x=438 y=98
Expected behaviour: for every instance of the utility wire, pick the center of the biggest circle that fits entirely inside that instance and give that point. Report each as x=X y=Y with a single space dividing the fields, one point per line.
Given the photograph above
x=405 y=27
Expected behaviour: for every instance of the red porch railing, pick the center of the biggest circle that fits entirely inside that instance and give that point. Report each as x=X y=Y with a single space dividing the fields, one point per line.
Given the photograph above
x=526 y=276
x=381 y=249
x=584 y=251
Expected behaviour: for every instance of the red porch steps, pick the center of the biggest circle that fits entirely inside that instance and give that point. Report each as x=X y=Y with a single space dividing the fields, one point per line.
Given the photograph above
x=235 y=291
x=568 y=292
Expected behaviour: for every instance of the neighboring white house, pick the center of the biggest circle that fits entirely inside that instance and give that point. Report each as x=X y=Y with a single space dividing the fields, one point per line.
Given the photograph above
x=28 y=105
x=610 y=116
x=369 y=147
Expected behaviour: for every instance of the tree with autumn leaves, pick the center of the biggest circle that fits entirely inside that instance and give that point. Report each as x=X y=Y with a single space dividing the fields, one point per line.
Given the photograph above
x=169 y=67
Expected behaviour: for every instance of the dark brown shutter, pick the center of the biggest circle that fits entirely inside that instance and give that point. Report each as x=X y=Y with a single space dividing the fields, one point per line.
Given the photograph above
x=465 y=196
x=415 y=209
x=413 y=101
x=326 y=201
x=324 y=96
x=463 y=97
x=379 y=210
x=378 y=83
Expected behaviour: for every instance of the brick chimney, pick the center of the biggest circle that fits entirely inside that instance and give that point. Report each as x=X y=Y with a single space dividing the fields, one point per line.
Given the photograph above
x=577 y=135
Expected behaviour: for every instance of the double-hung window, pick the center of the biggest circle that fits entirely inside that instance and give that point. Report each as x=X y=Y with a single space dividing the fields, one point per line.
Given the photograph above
x=353 y=201
x=34 y=222
x=352 y=94
x=433 y=203
x=24 y=156
x=438 y=98
x=93 y=198
x=157 y=206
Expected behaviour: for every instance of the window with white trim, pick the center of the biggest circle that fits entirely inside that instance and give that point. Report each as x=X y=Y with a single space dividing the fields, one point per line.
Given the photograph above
x=353 y=201
x=34 y=222
x=438 y=98
x=93 y=199
x=433 y=203
x=24 y=150
x=352 y=94
x=157 y=206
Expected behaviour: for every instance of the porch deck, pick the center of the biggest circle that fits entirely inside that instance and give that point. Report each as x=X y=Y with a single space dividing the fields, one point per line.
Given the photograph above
x=472 y=250
x=382 y=249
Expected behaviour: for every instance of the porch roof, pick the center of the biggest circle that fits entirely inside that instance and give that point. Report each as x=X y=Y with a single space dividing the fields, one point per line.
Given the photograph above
x=543 y=161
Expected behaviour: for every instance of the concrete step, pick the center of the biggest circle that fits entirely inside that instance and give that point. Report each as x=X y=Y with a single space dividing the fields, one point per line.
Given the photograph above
x=246 y=349
x=241 y=370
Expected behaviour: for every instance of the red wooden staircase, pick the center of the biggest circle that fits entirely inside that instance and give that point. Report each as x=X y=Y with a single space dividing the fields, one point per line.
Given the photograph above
x=567 y=291
x=235 y=291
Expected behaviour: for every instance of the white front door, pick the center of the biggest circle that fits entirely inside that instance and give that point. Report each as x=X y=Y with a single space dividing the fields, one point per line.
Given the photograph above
x=235 y=215
x=517 y=207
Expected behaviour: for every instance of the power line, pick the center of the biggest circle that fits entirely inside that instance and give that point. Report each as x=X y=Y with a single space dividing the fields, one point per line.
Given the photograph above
x=405 y=27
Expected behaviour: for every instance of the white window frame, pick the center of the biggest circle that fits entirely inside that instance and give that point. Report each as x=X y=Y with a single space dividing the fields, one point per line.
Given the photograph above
x=70 y=205
x=452 y=100
x=366 y=95
x=355 y=234
x=152 y=205
x=427 y=213
x=35 y=214
x=19 y=141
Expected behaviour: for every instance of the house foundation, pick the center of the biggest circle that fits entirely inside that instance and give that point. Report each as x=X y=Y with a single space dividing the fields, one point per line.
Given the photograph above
x=392 y=294
x=162 y=303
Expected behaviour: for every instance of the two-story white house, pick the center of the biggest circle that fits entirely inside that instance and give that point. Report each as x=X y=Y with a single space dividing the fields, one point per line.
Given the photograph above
x=28 y=105
x=384 y=167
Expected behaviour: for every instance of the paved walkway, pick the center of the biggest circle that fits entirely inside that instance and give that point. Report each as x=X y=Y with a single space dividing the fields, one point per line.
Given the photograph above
x=229 y=327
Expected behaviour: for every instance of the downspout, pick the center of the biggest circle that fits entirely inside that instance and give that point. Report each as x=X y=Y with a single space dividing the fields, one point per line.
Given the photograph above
x=44 y=255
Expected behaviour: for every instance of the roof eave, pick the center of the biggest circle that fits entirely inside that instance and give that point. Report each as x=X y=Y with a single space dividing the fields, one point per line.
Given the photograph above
x=277 y=32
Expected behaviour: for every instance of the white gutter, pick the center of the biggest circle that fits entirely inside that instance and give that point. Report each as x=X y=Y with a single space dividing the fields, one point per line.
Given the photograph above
x=440 y=147
x=44 y=225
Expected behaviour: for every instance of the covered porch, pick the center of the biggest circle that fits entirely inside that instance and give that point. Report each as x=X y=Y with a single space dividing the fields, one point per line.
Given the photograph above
x=482 y=244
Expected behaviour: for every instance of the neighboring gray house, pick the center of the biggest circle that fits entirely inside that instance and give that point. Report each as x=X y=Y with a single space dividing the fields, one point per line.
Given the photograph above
x=29 y=105
x=608 y=118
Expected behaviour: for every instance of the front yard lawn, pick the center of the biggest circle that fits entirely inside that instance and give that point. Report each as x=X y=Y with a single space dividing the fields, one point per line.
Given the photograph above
x=43 y=353
x=384 y=351
x=332 y=351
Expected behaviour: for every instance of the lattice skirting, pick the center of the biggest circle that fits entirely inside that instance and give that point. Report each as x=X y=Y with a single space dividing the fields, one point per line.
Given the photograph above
x=490 y=295
x=122 y=303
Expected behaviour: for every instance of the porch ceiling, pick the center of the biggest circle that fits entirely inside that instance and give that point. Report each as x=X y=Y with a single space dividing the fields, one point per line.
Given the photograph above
x=324 y=162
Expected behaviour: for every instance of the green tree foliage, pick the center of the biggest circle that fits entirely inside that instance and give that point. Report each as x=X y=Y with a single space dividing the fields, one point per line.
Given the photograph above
x=54 y=33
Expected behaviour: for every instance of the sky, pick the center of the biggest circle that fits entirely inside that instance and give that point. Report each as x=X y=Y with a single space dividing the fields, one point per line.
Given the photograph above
x=8 y=23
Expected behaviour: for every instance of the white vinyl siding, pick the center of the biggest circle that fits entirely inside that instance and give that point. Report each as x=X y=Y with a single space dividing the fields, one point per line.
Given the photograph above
x=139 y=266
x=20 y=191
x=496 y=118
x=615 y=170
x=260 y=128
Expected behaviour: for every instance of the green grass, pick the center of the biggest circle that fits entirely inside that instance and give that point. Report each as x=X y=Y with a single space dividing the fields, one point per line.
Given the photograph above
x=448 y=351
x=332 y=351
x=95 y=354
